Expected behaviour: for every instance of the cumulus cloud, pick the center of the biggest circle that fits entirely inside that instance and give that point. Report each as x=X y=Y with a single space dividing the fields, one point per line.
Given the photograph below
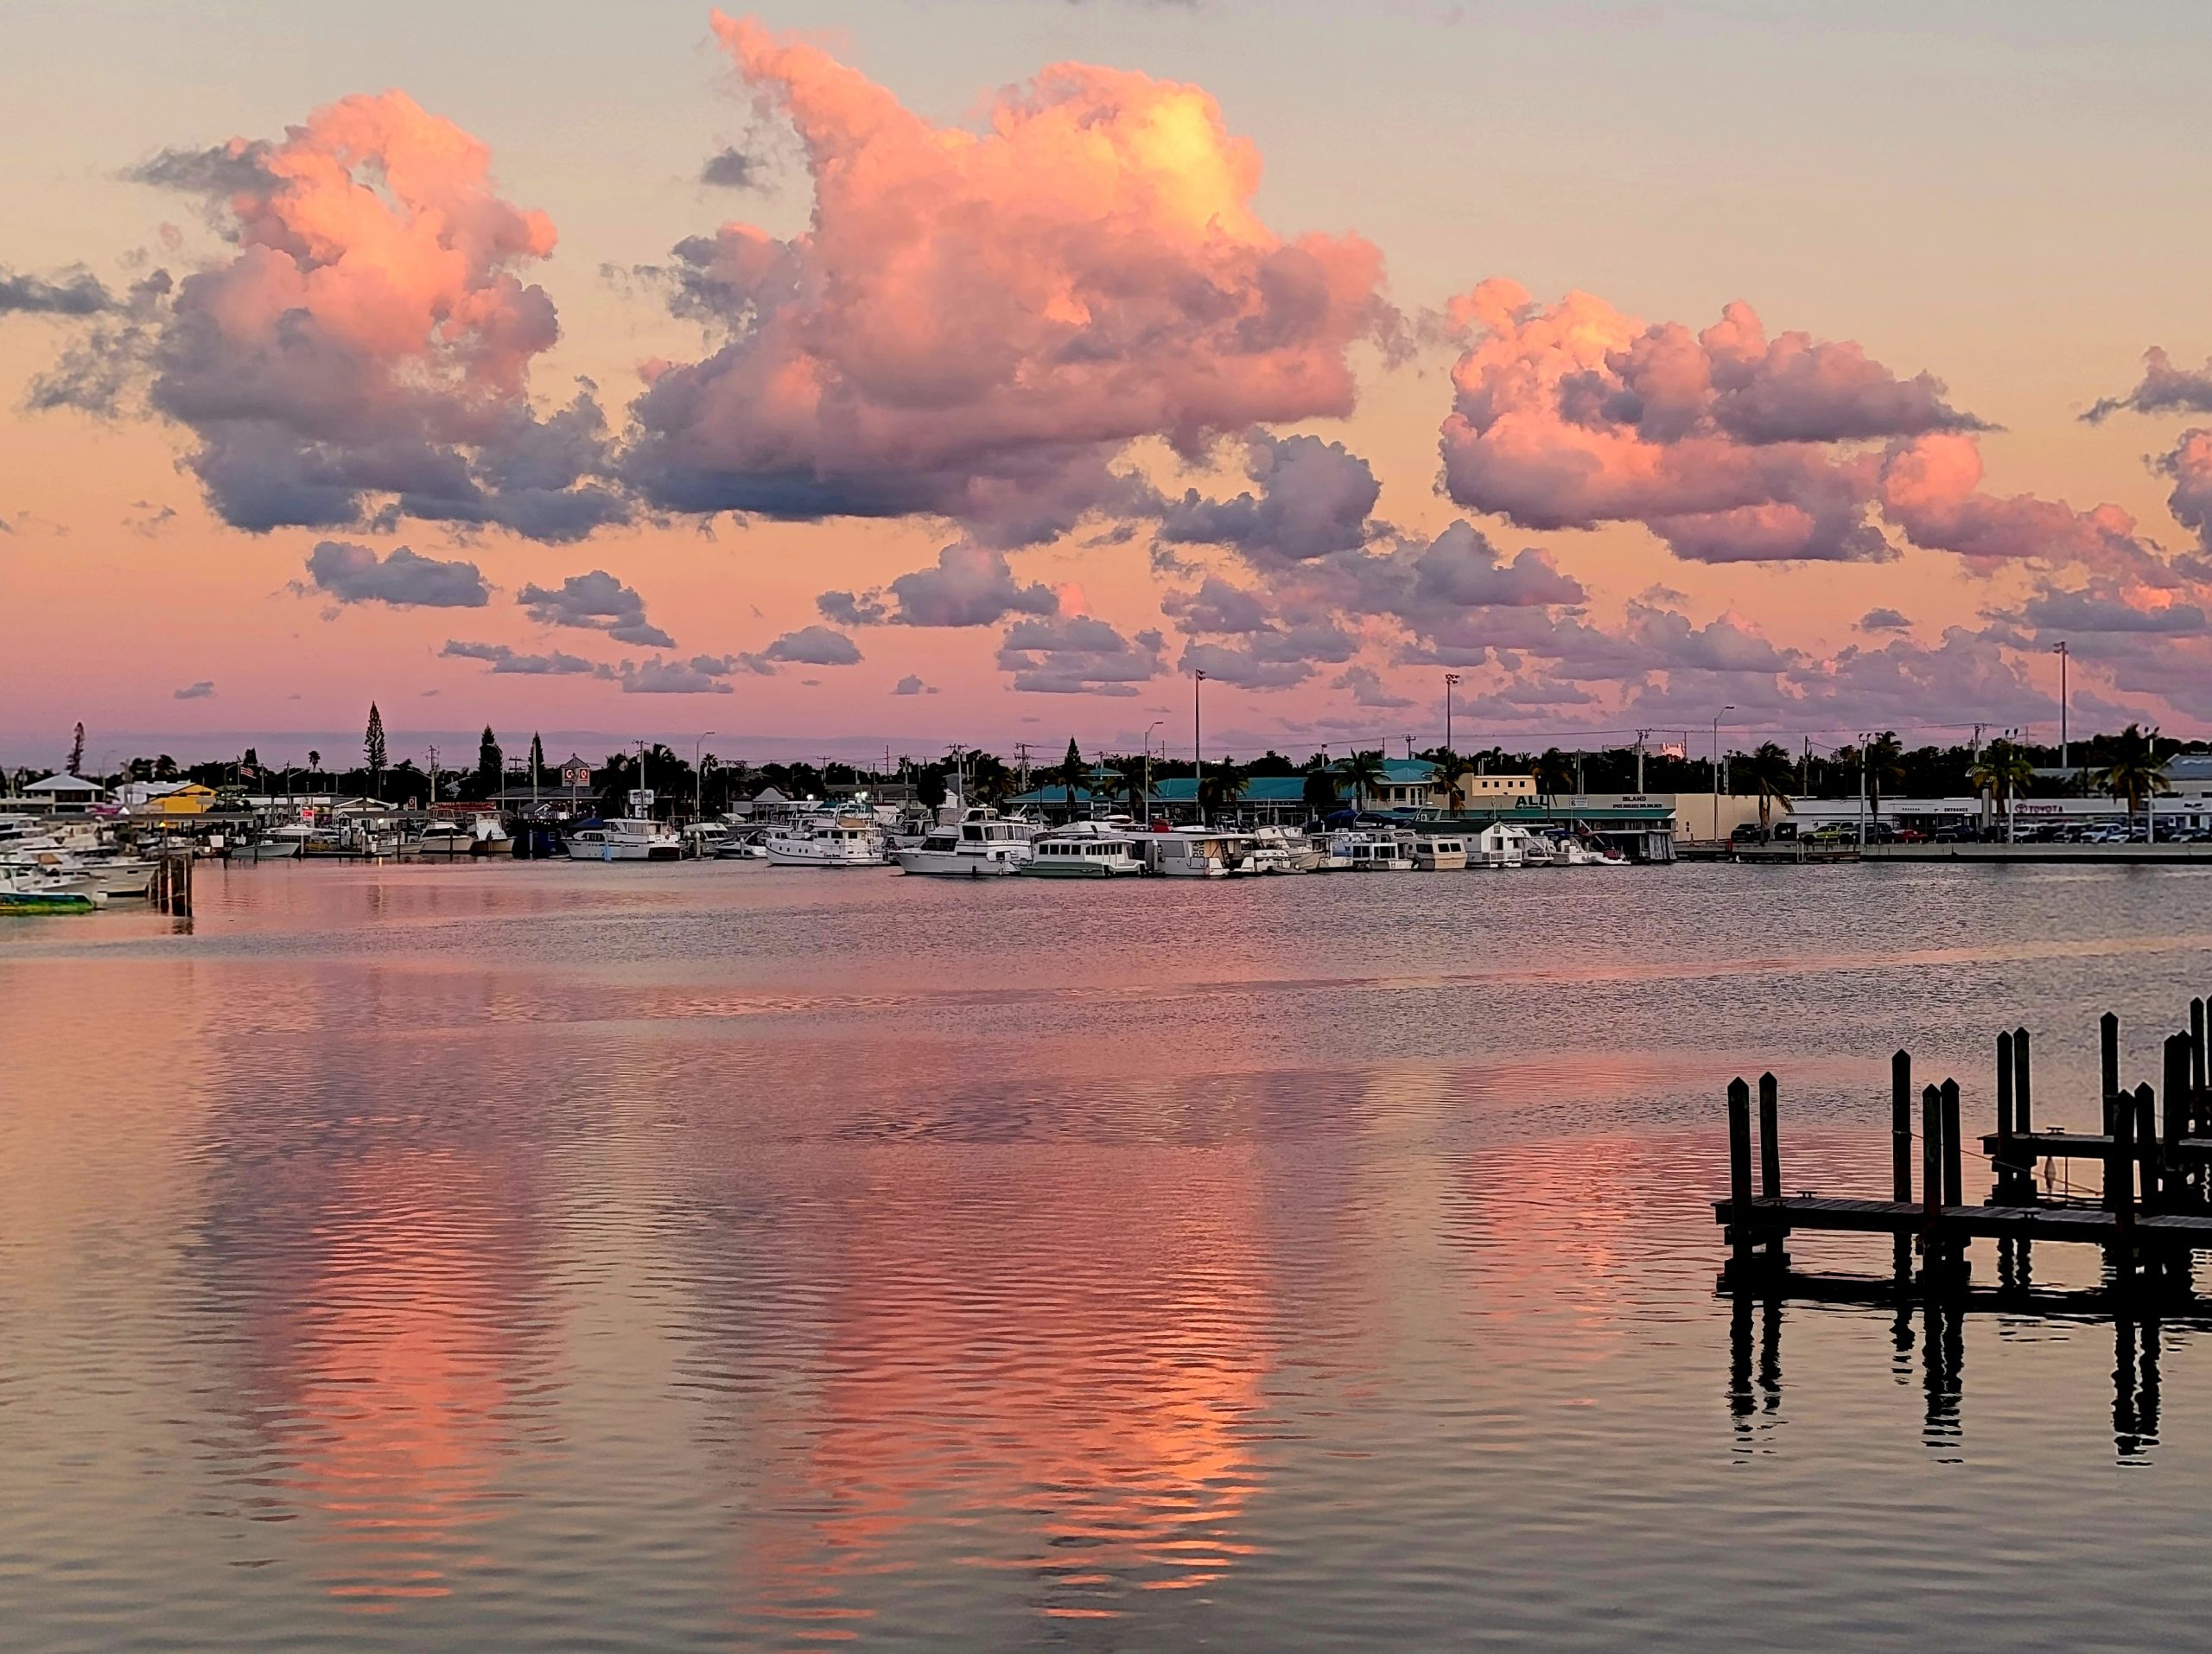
x=200 y=691
x=971 y=585
x=1883 y=620
x=1729 y=446
x=354 y=574
x=1314 y=498
x=1077 y=655
x=74 y=292
x=2164 y=388
x=599 y=602
x=504 y=659
x=813 y=646
x=364 y=355
x=978 y=322
x=911 y=684
x=1368 y=688
x=701 y=674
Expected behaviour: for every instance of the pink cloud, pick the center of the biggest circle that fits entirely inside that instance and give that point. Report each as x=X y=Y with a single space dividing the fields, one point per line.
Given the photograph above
x=1730 y=446
x=367 y=347
x=979 y=320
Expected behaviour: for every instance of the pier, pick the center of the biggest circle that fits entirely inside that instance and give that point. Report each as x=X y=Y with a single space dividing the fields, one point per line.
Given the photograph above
x=2151 y=1211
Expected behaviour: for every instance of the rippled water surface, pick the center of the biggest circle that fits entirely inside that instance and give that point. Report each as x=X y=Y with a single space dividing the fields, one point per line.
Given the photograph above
x=551 y=1255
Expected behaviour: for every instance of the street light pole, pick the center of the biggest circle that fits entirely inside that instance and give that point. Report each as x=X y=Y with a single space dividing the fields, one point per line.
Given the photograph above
x=1198 y=753
x=1147 y=771
x=2064 y=654
x=1450 y=681
x=699 y=779
x=1716 y=772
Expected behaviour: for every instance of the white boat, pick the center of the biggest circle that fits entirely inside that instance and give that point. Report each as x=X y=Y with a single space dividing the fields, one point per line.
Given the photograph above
x=1499 y=845
x=1364 y=850
x=1086 y=850
x=1440 y=853
x=1539 y=852
x=265 y=849
x=749 y=845
x=826 y=840
x=33 y=889
x=1194 y=853
x=702 y=839
x=624 y=839
x=983 y=845
x=1278 y=849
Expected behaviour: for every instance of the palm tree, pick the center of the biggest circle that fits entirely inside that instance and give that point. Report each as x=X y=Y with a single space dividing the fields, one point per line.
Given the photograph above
x=1224 y=786
x=989 y=781
x=1363 y=772
x=2001 y=771
x=2132 y=769
x=1449 y=768
x=1321 y=795
x=1769 y=773
x=1553 y=772
x=1106 y=783
x=1884 y=761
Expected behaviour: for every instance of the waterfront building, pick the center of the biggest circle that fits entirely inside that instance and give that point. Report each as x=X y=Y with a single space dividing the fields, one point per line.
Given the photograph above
x=59 y=793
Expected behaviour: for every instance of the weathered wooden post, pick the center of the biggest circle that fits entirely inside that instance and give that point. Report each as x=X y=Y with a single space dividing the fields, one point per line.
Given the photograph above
x=2175 y=1121
x=2196 y=1045
x=2119 y=1181
x=2023 y=1117
x=1770 y=1162
x=1740 y=1181
x=2006 y=1175
x=1954 y=1179
x=2108 y=1063
x=1901 y=1151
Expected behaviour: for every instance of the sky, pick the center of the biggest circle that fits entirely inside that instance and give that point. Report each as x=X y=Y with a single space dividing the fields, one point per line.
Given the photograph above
x=846 y=377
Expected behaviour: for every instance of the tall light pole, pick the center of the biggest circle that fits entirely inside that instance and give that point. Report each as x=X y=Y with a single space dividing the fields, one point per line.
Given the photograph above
x=1865 y=740
x=1450 y=681
x=699 y=779
x=2064 y=654
x=1197 y=752
x=1147 y=770
x=1716 y=770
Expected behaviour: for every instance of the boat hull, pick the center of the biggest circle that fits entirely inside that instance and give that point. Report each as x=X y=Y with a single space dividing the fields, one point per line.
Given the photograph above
x=32 y=904
x=939 y=864
x=1076 y=869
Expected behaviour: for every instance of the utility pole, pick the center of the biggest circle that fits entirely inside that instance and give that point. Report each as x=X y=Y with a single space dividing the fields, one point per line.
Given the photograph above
x=1578 y=772
x=1021 y=758
x=434 y=778
x=1864 y=740
x=699 y=780
x=1641 y=736
x=1450 y=681
x=1147 y=770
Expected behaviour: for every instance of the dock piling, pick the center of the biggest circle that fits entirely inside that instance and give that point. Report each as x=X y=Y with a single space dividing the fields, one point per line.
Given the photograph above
x=2108 y=1063
x=1954 y=1179
x=1901 y=1151
x=1739 y=1177
x=2022 y=1121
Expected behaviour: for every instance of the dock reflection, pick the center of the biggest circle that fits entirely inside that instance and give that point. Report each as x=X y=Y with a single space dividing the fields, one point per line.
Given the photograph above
x=1928 y=1345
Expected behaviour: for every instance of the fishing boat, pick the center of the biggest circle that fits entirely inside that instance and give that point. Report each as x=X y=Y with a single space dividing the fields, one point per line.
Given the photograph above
x=983 y=844
x=623 y=839
x=28 y=891
x=826 y=840
x=271 y=849
x=1084 y=849
x=1440 y=853
x=743 y=846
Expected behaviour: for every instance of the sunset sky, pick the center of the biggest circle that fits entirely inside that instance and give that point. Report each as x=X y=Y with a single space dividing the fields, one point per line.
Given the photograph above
x=850 y=374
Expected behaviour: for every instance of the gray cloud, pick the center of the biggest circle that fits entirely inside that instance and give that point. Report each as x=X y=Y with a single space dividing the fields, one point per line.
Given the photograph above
x=911 y=684
x=599 y=602
x=354 y=574
x=200 y=691
x=1367 y=688
x=730 y=168
x=1314 y=498
x=1074 y=654
x=74 y=292
x=1883 y=620
x=970 y=585
x=506 y=660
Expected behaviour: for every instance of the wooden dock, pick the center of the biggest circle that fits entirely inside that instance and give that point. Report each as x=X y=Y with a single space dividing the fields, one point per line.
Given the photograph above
x=2151 y=1214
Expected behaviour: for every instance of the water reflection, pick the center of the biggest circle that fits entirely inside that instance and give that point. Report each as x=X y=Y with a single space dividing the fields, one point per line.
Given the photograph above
x=1934 y=1328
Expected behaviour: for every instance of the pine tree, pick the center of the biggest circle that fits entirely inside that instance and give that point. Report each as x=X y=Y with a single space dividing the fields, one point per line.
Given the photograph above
x=491 y=764
x=372 y=748
x=76 y=752
x=536 y=761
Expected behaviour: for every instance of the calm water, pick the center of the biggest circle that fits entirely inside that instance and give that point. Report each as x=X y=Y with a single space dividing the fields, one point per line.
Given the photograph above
x=727 y=1257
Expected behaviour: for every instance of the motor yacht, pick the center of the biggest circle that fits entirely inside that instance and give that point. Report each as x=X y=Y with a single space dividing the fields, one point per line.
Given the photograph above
x=1085 y=849
x=826 y=840
x=623 y=839
x=1369 y=850
x=1194 y=852
x=1278 y=849
x=983 y=845
x=749 y=844
x=1440 y=853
